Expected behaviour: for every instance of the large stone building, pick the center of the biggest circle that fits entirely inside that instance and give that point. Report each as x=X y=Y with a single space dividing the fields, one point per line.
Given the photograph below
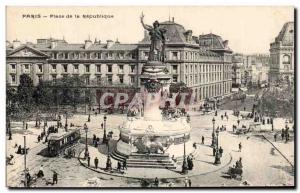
x=282 y=55
x=203 y=62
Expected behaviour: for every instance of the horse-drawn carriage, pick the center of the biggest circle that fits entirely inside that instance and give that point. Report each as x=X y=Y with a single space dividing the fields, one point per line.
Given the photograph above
x=235 y=172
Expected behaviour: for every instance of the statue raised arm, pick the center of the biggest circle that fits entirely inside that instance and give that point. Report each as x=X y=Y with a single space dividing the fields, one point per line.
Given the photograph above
x=145 y=26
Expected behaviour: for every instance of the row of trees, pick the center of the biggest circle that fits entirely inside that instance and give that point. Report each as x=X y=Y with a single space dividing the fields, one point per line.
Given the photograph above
x=277 y=102
x=28 y=99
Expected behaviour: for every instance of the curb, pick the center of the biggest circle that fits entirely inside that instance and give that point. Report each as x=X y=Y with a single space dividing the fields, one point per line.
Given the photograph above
x=183 y=176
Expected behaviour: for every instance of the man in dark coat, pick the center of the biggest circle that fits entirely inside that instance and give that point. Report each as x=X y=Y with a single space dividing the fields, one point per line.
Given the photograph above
x=96 y=161
x=88 y=160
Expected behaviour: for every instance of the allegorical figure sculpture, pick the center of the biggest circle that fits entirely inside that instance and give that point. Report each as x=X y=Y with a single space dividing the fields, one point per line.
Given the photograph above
x=157 y=37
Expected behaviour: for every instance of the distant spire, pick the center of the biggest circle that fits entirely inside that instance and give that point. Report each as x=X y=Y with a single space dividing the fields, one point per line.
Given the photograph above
x=95 y=40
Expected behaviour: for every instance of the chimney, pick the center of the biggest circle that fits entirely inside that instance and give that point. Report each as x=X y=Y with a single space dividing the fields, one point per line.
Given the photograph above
x=225 y=43
x=87 y=44
x=53 y=44
x=16 y=43
x=109 y=43
x=117 y=41
x=173 y=19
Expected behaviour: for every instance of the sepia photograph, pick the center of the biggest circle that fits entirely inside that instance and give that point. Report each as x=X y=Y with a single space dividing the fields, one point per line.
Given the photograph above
x=150 y=97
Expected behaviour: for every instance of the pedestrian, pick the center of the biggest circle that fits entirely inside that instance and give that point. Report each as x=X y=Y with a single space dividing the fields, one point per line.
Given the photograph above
x=222 y=117
x=216 y=113
x=202 y=140
x=94 y=139
x=282 y=134
x=186 y=181
x=54 y=178
x=41 y=172
x=220 y=151
x=39 y=138
x=124 y=164
x=240 y=146
x=156 y=182
x=19 y=151
x=275 y=137
x=88 y=160
x=190 y=183
x=238 y=122
x=96 y=161
x=9 y=135
x=119 y=166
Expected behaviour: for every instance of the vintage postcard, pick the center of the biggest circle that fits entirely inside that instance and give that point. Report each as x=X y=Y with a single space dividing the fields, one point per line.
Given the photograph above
x=150 y=97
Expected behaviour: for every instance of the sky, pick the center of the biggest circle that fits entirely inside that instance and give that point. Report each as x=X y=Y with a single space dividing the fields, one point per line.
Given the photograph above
x=248 y=29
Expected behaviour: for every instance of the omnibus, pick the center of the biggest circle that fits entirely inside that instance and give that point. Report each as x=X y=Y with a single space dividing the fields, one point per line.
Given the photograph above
x=58 y=142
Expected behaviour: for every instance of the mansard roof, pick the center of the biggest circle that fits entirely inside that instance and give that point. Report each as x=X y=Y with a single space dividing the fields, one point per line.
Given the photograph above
x=286 y=35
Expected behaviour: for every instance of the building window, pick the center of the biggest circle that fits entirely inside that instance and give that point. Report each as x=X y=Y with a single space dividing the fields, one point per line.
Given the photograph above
x=110 y=55
x=174 y=55
x=40 y=68
x=98 y=79
x=87 y=80
x=26 y=66
x=286 y=59
x=87 y=68
x=76 y=68
x=65 y=68
x=109 y=79
x=109 y=68
x=175 y=79
x=121 y=79
x=121 y=68
x=40 y=78
x=132 y=68
x=66 y=55
x=175 y=69
x=146 y=55
x=53 y=67
x=98 y=68
x=13 y=78
x=13 y=66
x=99 y=55
x=132 y=80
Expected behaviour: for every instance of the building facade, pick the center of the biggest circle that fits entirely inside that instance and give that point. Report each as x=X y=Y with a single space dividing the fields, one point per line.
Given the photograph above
x=282 y=55
x=255 y=70
x=203 y=63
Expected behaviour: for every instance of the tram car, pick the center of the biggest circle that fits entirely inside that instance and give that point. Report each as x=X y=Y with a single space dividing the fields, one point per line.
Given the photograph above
x=58 y=142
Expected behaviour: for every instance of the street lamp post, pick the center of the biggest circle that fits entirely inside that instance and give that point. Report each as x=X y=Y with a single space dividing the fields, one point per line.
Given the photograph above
x=213 y=134
x=86 y=153
x=108 y=161
x=217 y=158
x=184 y=164
x=104 y=132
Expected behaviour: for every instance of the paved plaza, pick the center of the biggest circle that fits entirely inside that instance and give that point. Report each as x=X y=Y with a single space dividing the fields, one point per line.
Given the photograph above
x=265 y=162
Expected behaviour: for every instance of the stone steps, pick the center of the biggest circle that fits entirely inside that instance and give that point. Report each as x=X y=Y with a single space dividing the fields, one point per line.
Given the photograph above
x=152 y=166
x=137 y=160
